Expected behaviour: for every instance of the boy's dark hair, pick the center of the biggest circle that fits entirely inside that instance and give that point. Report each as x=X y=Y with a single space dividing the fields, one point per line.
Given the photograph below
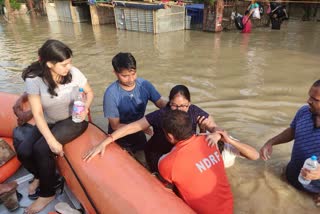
x=123 y=61
x=178 y=123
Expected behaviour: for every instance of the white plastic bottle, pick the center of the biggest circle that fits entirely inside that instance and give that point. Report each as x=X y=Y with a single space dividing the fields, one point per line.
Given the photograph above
x=311 y=164
x=78 y=106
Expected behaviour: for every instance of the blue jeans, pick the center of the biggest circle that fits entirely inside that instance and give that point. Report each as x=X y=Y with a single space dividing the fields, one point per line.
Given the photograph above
x=36 y=156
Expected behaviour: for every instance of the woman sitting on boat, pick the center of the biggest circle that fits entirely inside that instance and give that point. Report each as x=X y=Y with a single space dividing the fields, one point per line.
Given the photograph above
x=158 y=145
x=52 y=84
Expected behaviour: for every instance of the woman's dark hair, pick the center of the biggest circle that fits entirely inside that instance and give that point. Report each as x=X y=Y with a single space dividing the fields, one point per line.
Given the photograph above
x=52 y=51
x=180 y=89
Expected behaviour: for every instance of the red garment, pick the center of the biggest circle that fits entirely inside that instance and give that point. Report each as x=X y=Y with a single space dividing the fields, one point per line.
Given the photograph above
x=198 y=172
x=246 y=24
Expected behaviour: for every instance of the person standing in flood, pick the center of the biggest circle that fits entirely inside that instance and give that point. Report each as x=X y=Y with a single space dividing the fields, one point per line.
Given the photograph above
x=246 y=23
x=277 y=14
x=52 y=84
x=305 y=131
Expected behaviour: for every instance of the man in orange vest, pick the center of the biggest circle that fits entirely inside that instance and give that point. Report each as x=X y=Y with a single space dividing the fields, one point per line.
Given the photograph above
x=194 y=168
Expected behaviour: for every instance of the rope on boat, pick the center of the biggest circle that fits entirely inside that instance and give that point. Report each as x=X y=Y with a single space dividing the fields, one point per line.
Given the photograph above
x=81 y=184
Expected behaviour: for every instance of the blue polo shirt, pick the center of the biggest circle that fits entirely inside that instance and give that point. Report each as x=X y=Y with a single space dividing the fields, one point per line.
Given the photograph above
x=129 y=106
x=307 y=136
x=306 y=143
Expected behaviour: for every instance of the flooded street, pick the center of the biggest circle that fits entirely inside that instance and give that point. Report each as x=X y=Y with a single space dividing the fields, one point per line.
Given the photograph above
x=251 y=84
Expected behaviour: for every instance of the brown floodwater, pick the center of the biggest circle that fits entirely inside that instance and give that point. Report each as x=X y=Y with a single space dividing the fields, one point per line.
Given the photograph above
x=251 y=84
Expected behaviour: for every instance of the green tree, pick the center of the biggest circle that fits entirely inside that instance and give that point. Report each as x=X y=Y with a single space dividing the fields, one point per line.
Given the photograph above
x=8 y=8
x=10 y=4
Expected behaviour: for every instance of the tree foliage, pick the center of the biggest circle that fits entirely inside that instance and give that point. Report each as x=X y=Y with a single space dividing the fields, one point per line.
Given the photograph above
x=15 y=5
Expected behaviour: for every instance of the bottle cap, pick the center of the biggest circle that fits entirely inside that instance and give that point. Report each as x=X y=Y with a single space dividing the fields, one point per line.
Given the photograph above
x=80 y=89
x=313 y=157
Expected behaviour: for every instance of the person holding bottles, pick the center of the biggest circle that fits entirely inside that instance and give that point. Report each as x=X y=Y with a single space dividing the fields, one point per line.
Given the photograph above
x=305 y=131
x=52 y=84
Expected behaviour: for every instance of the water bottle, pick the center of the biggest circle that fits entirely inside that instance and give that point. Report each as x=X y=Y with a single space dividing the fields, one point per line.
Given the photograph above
x=78 y=106
x=311 y=164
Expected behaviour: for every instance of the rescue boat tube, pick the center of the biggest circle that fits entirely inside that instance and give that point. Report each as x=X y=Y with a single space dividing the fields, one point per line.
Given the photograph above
x=7 y=118
x=10 y=167
x=114 y=183
x=8 y=122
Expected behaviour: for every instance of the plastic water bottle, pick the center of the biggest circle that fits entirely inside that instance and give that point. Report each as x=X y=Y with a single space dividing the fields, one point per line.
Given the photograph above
x=78 y=106
x=311 y=164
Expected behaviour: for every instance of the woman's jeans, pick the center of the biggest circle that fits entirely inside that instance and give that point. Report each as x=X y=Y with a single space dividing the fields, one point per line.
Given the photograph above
x=35 y=155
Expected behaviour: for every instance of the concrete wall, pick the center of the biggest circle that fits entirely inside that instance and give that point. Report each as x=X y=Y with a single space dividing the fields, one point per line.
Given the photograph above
x=101 y=15
x=52 y=12
x=65 y=12
x=171 y=19
x=153 y=21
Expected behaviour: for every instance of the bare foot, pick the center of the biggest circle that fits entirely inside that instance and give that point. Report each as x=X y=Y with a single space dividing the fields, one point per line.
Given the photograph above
x=39 y=205
x=33 y=186
x=316 y=199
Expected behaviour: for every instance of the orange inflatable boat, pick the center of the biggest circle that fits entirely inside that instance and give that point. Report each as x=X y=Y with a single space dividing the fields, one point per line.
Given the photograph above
x=8 y=121
x=114 y=183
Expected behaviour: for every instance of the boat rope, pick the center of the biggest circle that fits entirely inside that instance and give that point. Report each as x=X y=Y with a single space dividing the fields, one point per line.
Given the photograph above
x=81 y=184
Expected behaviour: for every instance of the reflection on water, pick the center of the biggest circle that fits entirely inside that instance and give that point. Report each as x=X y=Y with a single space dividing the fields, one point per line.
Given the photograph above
x=251 y=84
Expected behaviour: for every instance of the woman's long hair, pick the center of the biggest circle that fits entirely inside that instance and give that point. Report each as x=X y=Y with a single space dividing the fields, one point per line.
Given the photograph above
x=52 y=51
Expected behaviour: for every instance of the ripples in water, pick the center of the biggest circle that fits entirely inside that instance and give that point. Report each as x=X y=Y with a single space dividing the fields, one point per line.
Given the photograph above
x=251 y=84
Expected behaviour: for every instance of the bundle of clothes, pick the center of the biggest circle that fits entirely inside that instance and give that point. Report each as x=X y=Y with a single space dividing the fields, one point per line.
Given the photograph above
x=276 y=12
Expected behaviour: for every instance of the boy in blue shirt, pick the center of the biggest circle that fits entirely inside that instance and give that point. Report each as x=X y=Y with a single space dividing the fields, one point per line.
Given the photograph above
x=125 y=100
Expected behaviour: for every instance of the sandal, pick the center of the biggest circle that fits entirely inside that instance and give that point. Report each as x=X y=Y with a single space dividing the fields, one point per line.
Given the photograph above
x=35 y=195
x=58 y=186
x=19 y=195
